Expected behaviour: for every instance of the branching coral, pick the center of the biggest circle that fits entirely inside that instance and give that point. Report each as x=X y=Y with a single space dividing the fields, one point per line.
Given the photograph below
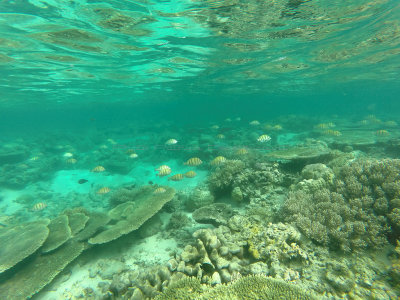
x=354 y=210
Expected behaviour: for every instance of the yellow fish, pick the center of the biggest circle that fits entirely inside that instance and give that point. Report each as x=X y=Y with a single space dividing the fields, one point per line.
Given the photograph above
x=242 y=151
x=220 y=136
x=103 y=190
x=133 y=155
x=215 y=127
x=68 y=154
x=190 y=174
x=39 y=206
x=163 y=170
x=382 y=132
x=194 y=161
x=71 y=161
x=219 y=160
x=332 y=132
x=264 y=138
x=98 y=169
x=171 y=142
x=159 y=190
x=34 y=158
x=176 y=177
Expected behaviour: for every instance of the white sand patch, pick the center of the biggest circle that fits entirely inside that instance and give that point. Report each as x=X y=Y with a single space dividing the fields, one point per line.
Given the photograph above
x=71 y=285
x=7 y=201
x=153 y=250
x=66 y=181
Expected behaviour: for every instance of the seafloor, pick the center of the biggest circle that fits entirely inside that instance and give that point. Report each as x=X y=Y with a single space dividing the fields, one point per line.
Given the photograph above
x=314 y=212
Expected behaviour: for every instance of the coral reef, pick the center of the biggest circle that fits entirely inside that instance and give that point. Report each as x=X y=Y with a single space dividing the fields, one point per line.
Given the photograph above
x=60 y=232
x=248 y=287
x=247 y=183
x=221 y=180
x=257 y=182
x=198 y=198
x=177 y=221
x=13 y=153
x=215 y=214
x=352 y=209
x=129 y=216
x=39 y=271
x=59 y=244
x=311 y=150
x=20 y=241
x=19 y=175
x=395 y=268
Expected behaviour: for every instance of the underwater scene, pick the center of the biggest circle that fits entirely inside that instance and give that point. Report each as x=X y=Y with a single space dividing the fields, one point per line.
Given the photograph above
x=199 y=149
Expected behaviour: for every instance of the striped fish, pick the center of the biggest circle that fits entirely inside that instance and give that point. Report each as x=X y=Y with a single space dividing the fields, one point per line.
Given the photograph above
x=39 y=206
x=219 y=160
x=98 y=169
x=176 y=177
x=264 y=138
x=332 y=132
x=159 y=190
x=103 y=190
x=71 y=161
x=382 y=132
x=242 y=151
x=190 y=174
x=194 y=161
x=163 y=170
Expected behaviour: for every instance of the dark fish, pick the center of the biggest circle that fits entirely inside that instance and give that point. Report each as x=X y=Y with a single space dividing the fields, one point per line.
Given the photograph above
x=82 y=181
x=151 y=182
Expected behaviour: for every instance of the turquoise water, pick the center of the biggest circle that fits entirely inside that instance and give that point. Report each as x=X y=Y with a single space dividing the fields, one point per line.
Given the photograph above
x=315 y=205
